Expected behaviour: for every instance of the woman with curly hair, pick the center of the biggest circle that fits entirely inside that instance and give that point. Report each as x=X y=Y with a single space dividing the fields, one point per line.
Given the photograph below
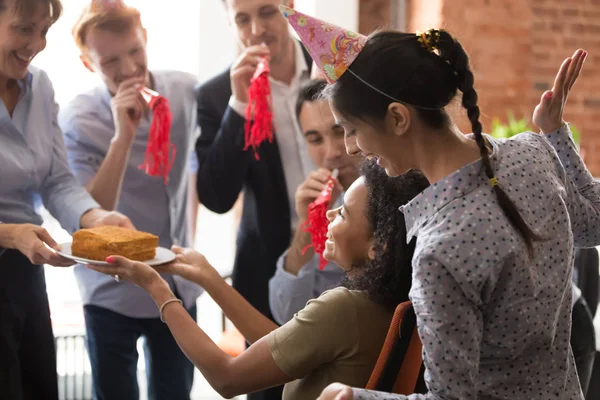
x=336 y=337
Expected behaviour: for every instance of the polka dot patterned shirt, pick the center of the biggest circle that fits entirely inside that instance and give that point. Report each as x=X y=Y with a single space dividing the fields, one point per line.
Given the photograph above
x=494 y=321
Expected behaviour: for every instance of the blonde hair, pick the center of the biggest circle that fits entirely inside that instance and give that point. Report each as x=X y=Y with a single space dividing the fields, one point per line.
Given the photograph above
x=110 y=16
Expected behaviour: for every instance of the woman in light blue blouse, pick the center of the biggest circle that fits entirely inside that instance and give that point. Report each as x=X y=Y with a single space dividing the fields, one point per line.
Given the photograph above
x=495 y=230
x=33 y=165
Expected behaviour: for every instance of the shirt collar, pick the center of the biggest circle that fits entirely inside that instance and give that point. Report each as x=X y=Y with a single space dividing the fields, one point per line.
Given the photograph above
x=25 y=85
x=26 y=82
x=458 y=184
x=301 y=65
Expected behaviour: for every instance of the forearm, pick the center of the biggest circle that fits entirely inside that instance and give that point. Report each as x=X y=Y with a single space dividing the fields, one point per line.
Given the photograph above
x=562 y=141
x=105 y=187
x=582 y=190
x=252 y=324
x=296 y=257
x=212 y=362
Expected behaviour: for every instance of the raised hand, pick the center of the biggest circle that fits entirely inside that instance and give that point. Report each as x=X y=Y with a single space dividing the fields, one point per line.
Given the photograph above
x=310 y=189
x=548 y=115
x=243 y=69
x=128 y=108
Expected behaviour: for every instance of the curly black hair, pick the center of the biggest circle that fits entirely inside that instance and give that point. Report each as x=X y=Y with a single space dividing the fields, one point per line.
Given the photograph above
x=388 y=277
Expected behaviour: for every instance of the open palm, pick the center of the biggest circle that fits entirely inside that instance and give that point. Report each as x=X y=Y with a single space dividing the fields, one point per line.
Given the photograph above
x=548 y=115
x=190 y=265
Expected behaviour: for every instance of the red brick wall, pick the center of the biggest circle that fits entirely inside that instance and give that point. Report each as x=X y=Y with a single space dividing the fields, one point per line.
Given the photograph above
x=497 y=36
x=558 y=29
x=516 y=47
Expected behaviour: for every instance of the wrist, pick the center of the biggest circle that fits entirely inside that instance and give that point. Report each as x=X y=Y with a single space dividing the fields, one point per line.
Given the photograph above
x=7 y=236
x=301 y=238
x=211 y=281
x=159 y=289
x=551 y=128
x=90 y=218
x=122 y=140
x=238 y=105
x=87 y=219
x=289 y=266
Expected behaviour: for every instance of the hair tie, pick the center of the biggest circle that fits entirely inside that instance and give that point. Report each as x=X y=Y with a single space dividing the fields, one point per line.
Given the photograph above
x=493 y=181
x=429 y=39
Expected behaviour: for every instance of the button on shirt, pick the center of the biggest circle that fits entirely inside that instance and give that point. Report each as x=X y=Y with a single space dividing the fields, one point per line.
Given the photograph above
x=294 y=155
x=494 y=323
x=33 y=162
x=89 y=127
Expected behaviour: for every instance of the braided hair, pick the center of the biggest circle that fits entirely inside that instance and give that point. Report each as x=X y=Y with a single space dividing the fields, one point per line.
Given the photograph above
x=401 y=66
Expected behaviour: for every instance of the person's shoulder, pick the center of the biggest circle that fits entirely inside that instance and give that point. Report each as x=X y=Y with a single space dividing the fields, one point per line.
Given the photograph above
x=176 y=78
x=38 y=73
x=528 y=146
x=39 y=79
x=341 y=295
x=84 y=104
x=218 y=83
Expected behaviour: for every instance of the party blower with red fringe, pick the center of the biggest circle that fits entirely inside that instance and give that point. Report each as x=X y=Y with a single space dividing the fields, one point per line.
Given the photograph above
x=259 y=115
x=317 y=221
x=160 y=153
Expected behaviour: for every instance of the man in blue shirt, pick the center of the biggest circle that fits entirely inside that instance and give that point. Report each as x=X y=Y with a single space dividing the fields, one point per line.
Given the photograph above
x=297 y=278
x=106 y=134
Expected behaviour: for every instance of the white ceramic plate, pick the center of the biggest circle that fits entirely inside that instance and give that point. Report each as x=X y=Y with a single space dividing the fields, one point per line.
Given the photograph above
x=163 y=256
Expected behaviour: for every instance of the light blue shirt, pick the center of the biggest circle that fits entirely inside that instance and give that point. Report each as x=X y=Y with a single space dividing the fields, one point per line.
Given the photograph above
x=88 y=127
x=33 y=162
x=289 y=293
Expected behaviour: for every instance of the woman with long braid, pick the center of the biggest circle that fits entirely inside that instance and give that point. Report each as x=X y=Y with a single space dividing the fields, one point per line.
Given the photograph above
x=495 y=230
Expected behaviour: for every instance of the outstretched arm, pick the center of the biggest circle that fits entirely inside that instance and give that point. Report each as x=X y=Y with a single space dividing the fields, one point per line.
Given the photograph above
x=253 y=370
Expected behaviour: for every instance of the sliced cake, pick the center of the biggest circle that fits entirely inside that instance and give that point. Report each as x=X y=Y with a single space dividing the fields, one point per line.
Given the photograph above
x=103 y=241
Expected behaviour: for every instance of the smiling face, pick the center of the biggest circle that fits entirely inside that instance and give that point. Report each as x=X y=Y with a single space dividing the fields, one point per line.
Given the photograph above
x=117 y=56
x=389 y=142
x=349 y=235
x=325 y=141
x=22 y=36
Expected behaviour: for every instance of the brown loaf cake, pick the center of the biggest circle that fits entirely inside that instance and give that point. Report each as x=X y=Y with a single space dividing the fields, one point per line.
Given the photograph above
x=103 y=241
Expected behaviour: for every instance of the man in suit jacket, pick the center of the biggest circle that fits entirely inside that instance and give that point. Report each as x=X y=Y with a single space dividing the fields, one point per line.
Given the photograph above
x=225 y=168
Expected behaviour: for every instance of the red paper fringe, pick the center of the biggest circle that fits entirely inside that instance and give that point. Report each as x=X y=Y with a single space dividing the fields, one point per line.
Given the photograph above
x=157 y=161
x=317 y=222
x=259 y=116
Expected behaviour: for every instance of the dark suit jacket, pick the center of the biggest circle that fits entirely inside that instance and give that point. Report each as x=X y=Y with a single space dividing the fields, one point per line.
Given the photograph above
x=225 y=169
